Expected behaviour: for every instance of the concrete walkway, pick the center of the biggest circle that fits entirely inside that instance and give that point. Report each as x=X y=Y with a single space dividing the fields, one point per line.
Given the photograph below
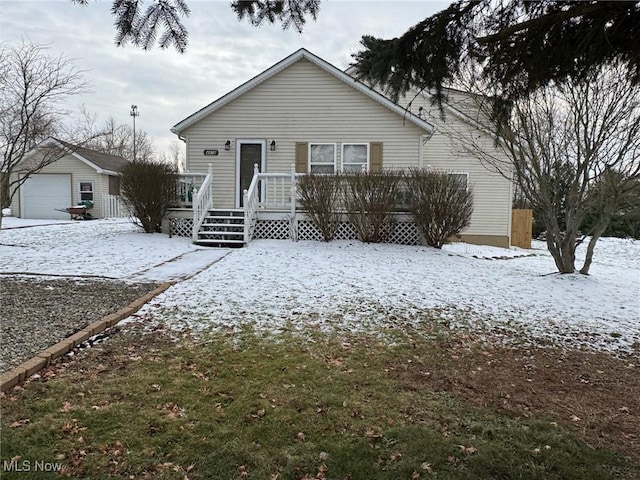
x=182 y=267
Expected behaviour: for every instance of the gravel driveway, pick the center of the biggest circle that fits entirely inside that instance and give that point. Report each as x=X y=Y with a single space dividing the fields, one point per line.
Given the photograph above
x=36 y=313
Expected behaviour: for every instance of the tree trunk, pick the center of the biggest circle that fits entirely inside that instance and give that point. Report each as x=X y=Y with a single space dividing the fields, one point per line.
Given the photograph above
x=599 y=230
x=562 y=249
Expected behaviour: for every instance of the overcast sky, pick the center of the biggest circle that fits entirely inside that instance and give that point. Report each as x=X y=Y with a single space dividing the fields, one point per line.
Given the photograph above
x=223 y=53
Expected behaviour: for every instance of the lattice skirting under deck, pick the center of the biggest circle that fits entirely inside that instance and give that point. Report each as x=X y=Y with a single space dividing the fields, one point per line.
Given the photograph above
x=181 y=227
x=272 y=230
x=404 y=233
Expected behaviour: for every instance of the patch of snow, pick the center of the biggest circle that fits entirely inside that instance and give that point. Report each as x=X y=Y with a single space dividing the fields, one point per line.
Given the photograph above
x=275 y=285
x=347 y=285
x=115 y=249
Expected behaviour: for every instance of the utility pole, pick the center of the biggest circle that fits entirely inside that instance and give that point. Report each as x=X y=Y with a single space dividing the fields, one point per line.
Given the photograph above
x=134 y=113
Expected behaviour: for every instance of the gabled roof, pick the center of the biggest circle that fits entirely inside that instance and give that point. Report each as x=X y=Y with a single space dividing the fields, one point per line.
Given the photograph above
x=283 y=64
x=102 y=162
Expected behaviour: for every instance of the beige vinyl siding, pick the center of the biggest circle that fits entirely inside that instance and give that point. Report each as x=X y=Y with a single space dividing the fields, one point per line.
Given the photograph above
x=80 y=172
x=302 y=103
x=448 y=150
x=491 y=192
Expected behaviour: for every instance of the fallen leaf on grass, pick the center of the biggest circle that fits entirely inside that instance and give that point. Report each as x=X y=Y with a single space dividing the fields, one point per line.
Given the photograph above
x=373 y=433
x=242 y=472
x=72 y=427
x=66 y=407
x=467 y=450
x=19 y=423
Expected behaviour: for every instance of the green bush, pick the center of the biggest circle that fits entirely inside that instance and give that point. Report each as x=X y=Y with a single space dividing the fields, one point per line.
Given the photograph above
x=147 y=189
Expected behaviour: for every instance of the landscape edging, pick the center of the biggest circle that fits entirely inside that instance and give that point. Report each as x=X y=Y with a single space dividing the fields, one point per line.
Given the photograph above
x=44 y=358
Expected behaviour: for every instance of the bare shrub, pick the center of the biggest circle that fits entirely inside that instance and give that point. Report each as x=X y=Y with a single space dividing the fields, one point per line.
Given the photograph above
x=148 y=188
x=441 y=204
x=319 y=198
x=369 y=199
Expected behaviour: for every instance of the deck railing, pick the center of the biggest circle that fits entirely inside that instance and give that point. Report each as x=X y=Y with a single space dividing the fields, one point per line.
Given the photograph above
x=202 y=203
x=268 y=191
x=187 y=187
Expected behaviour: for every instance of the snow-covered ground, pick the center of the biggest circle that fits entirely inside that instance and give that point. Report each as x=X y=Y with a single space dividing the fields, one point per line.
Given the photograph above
x=105 y=248
x=347 y=285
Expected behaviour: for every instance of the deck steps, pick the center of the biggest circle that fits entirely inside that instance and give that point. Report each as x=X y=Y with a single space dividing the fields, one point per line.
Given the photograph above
x=222 y=228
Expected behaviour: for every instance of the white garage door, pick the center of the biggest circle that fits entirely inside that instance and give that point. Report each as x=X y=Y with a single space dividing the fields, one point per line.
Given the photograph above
x=43 y=195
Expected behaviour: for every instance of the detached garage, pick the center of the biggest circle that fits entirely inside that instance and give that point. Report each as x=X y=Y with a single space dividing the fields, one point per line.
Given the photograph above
x=46 y=195
x=77 y=175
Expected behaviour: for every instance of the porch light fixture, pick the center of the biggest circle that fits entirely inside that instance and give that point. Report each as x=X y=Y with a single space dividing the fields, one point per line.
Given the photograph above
x=227 y=145
x=272 y=145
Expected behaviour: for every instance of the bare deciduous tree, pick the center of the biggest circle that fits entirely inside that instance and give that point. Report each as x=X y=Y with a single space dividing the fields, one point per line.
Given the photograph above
x=114 y=138
x=572 y=148
x=33 y=87
x=175 y=156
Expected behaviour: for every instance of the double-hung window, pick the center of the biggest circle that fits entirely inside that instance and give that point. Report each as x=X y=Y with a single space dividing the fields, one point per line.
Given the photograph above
x=462 y=179
x=355 y=157
x=86 y=191
x=322 y=157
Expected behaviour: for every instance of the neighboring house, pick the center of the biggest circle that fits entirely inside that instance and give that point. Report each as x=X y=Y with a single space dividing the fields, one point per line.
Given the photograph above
x=305 y=112
x=79 y=174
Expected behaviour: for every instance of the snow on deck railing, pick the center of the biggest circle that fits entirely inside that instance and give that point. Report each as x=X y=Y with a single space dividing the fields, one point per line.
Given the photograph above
x=202 y=203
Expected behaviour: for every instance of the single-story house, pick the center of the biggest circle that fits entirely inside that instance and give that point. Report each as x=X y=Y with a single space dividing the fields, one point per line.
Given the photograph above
x=306 y=115
x=72 y=175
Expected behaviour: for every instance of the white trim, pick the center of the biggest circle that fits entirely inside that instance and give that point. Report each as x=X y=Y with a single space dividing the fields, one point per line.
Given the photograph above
x=466 y=174
x=73 y=153
x=366 y=144
x=21 y=195
x=335 y=155
x=285 y=63
x=263 y=157
x=93 y=190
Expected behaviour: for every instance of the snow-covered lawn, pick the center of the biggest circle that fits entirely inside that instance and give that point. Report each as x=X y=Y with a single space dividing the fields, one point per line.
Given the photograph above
x=273 y=285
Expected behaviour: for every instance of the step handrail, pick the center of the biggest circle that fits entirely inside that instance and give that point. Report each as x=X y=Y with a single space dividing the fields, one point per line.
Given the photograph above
x=251 y=200
x=202 y=203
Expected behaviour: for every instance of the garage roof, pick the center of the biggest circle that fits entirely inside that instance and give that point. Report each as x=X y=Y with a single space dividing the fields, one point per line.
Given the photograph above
x=102 y=162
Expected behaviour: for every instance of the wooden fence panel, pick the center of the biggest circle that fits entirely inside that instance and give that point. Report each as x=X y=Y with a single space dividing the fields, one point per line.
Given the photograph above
x=521 y=226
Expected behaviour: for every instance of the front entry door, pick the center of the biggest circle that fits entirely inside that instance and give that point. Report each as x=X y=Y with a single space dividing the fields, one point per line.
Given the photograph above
x=250 y=153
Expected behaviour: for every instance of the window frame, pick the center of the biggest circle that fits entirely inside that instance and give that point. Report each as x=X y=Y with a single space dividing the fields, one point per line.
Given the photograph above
x=311 y=163
x=81 y=191
x=368 y=160
x=464 y=174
